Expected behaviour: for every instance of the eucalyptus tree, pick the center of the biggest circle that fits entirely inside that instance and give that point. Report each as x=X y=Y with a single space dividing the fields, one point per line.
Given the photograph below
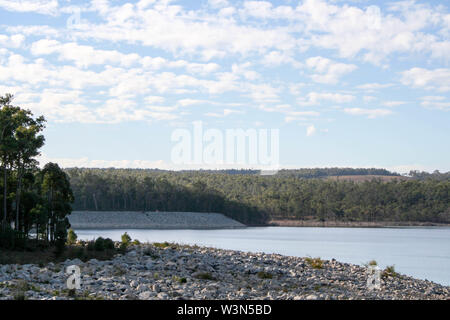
x=19 y=144
x=58 y=194
x=28 y=141
x=7 y=145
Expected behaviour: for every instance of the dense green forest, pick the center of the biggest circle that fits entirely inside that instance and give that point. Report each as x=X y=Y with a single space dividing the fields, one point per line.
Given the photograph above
x=30 y=197
x=256 y=199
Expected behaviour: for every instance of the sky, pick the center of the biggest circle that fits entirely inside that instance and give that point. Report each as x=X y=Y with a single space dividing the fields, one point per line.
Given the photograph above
x=345 y=83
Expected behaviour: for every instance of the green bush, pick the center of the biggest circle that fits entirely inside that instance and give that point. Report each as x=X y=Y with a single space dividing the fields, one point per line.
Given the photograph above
x=71 y=237
x=389 y=271
x=99 y=244
x=315 y=263
x=108 y=244
x=205 y=276
x=182 y=280
x=126 y=239
x=161 y=244
x=264 y=275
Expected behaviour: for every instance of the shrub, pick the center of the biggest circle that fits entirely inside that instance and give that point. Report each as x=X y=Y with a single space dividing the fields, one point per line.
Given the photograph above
x=126 y=239
x=123 y=247
x=179 y=280
x=315 y=263
x=182 y=280
x=71 y=237
x=264 y=275
x=205 y=276
x=108 y=244
x=161 y=244
x=389 y=271
x=99 y=244
x=371 y=263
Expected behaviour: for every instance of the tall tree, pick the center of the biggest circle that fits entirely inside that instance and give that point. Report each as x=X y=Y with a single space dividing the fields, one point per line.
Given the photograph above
x=7 y=145
x=28 y=141
x=58 y=193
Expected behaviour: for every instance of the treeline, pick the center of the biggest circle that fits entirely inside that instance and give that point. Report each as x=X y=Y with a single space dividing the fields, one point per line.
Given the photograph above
x=255 y=199
x=327 y=172
x=436 y=175
x=30 y=197
x=307 y=173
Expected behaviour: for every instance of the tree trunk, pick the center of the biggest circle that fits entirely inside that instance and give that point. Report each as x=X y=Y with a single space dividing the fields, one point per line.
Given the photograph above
x=5 y=181
x=19 y=186
x=95 y=202
x=52 y=219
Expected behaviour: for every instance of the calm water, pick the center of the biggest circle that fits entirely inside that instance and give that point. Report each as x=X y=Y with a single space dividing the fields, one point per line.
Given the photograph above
x=423 y=252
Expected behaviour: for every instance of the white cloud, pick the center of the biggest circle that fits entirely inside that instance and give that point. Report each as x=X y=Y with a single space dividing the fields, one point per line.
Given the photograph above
x=174 y=29
x=83 y=56
x=218 y=3
x=277 y=58
x=12 y=41
x=393 y=103
x=48 y=7
x=374 y=86
x=328 y=71
x=154 y=99
x=438 y=79
x=300 y=115
x=370 y=113
x=351 y=30
x=315 y=98
x=226 y=112
x=435 y=102
x=262 y=92
x=189 y=102
x=85 y=162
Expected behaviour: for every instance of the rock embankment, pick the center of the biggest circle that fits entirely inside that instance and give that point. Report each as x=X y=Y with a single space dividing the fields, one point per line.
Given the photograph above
x=184 y=272
x=150 y=220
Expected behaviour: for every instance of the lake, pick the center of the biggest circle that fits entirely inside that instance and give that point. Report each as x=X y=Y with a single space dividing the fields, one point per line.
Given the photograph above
x=420 y=252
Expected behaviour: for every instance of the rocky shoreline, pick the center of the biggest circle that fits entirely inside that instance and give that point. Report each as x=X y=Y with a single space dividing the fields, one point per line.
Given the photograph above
x=169 y=271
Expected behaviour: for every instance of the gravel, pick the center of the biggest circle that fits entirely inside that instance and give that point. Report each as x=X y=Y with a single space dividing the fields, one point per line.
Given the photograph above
x=186 y=272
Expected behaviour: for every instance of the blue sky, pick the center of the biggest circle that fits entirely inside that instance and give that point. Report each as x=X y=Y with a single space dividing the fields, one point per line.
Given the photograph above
x=346 y=83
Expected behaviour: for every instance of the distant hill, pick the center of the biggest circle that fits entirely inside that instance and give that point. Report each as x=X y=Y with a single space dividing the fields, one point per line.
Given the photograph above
x=334 y=172
x=369 y=177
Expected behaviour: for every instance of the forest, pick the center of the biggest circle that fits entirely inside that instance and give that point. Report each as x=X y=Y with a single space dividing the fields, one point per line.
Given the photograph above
x=31 y=197
x=256 y=199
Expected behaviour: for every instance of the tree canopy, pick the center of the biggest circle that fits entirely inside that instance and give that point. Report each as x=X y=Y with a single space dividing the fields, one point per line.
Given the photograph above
x=30 y=197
